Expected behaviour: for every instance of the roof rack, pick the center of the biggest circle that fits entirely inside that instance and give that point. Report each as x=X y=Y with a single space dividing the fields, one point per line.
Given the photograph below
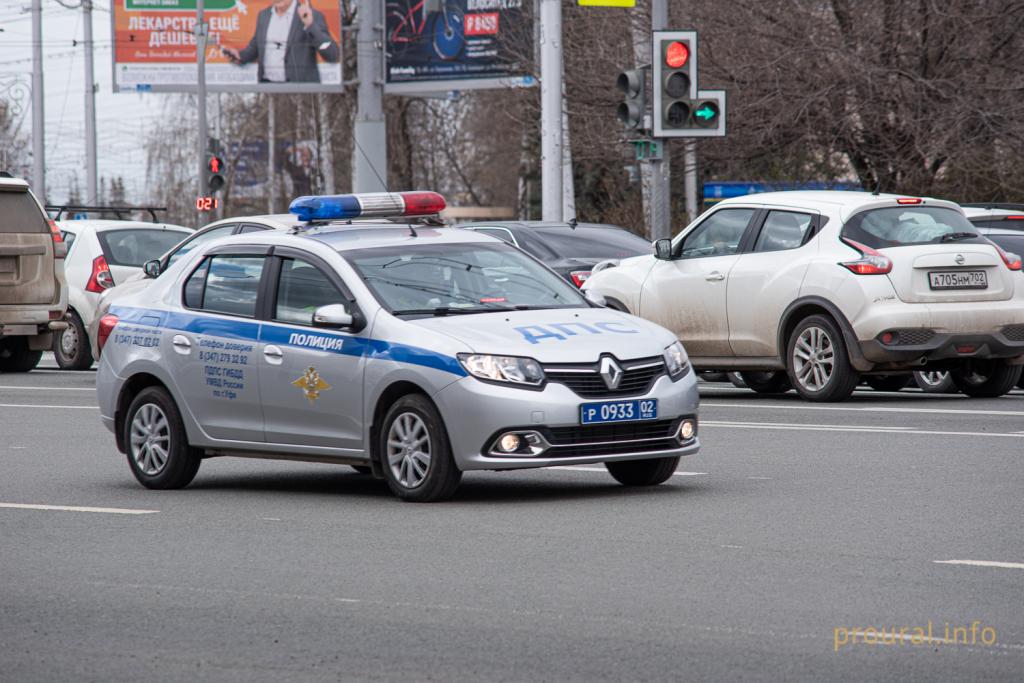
x=119 y=211
x=1005 y=206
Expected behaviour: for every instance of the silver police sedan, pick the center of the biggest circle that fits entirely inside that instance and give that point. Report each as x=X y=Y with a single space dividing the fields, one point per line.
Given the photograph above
x=400 y=347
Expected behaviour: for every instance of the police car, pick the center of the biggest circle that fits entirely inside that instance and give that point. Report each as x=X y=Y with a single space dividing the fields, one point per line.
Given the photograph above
x=398 y=346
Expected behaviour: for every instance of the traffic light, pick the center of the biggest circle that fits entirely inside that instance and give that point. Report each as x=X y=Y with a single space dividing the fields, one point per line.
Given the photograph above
x=215 y=165
x=631 y=110
x=675 y=82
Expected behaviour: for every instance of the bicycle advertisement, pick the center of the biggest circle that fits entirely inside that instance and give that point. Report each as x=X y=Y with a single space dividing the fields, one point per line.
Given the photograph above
x=282 y=46
x=442 y=45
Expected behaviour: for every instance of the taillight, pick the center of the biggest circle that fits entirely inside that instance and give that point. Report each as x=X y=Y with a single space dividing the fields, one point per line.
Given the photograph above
x=101 y=278
x=909 y=200
x=1011 y=260
x=579 y=277
x=1015 y=217
x=106 y=326
x=871 y=262
x=58 y=251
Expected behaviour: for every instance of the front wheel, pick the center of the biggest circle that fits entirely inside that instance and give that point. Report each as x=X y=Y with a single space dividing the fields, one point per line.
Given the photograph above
x=986 y=378
x=643 y=472
x=415 y=452
x=158 y=450
x=71 y=346
x=819 y=365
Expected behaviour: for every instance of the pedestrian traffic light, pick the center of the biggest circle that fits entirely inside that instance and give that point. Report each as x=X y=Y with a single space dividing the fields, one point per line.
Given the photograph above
x=215 y=165
x=631 y=110
x=675 y=83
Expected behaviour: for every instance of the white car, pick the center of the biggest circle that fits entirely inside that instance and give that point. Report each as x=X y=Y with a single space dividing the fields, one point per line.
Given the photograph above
x=815 y=289
x=101 y=254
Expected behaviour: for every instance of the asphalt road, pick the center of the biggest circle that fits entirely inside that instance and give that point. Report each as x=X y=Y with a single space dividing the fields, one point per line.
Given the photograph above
x=795 y=530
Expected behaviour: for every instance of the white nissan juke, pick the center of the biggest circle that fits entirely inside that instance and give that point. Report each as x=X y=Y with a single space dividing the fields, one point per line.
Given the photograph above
x=813 y=290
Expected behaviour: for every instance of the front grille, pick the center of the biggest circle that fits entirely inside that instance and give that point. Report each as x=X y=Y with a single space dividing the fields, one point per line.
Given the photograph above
x=1014 y=333
x=914 y=337
x=612 y=439
x=586 y=380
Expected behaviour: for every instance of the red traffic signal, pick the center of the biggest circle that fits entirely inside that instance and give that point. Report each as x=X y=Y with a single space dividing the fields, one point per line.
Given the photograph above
x=215 y=164
x=677 y=54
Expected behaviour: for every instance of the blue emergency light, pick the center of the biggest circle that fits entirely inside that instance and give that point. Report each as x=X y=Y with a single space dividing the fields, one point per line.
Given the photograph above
x=370 y=205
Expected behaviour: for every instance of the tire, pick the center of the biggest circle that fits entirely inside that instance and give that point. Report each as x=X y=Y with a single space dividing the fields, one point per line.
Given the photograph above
x=935 y=382
x=15 y=356
x=713 y=376
x=410 y=424
x=643 y=472
x=986 y=378
x=766 y=382
x=362 y=469
x=887 y=382
x=818 y=363
x=737 y=380
x=153 y=413
x=71 y=346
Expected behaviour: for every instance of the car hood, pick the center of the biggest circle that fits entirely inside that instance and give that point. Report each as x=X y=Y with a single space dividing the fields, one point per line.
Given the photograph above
x=568 y=335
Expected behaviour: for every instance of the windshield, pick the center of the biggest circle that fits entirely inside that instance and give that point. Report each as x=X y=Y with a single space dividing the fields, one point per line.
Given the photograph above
x=593 y=243
x=902 y=225
x=443 y=279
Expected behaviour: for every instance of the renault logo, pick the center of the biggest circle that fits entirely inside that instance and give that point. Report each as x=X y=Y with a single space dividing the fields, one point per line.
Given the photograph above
x=959 y=259
x=611 y=372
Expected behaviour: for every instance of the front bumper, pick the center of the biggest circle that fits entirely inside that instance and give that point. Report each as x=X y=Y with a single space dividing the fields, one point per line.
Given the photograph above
x=475 y=413
x=943 y=347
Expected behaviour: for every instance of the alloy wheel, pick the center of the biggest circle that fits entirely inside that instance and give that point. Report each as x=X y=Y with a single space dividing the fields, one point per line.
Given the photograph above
x=409 y=450
x=150 y=439
x=813 y=358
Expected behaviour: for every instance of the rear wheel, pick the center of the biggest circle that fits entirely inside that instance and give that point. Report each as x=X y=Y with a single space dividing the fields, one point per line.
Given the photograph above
x=415 y=453
x=935 y=382
x=643 y=472
x=15 y=356
x=158 y=450
x=766 y=382
x=71 y=346
x=986 y=378
x=819 y=366
x=887 y=382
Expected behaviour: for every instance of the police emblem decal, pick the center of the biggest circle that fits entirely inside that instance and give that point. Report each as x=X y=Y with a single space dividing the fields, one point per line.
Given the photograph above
x=311 y=384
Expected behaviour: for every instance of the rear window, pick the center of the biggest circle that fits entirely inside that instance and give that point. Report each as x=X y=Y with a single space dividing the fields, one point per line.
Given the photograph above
x=904 y=225
x=20 y=213
x=1010 y=243
x=133 y=247
x=599 y=243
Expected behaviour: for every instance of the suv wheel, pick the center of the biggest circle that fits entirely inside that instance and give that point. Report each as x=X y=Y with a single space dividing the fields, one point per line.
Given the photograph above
x=158 y=450
x=71 y=346
x=766 y=382
x=986 y=378
x=415 y=453
x=818 y=364
x=15 y=356
x=935 y=382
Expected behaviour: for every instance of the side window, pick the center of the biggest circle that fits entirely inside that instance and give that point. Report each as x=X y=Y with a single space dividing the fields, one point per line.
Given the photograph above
x=69 y=239
x=198 y=239
x=226 y=284
x=251 y=228
x=301 y=290
x=719 y=235
x=783 y=230
x=500 y=233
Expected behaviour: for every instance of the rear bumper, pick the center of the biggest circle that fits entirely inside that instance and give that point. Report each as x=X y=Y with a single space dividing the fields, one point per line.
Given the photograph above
x=944 y=347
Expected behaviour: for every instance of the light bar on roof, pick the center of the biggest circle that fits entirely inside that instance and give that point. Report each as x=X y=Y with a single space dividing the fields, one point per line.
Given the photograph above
x=368 y=205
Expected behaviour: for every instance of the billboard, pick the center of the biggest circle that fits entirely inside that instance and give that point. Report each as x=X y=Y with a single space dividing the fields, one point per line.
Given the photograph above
x=253 y=45
x=441 y=45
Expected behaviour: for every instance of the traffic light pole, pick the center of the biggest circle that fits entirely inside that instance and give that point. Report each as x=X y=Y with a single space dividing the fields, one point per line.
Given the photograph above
x=370 y=156
x=551 y=109
x=690 y=179
x=38 y=120
x=660 y=173
x=201 y=102
x=90 y=109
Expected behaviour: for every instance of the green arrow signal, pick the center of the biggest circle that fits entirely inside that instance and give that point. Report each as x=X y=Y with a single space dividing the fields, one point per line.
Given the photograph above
x=705 y=112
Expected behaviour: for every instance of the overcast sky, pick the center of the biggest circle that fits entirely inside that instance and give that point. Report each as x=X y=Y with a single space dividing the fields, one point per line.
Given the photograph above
x=122 y=120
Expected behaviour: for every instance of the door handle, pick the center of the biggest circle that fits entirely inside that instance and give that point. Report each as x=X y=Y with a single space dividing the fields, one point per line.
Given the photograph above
x=714 y=276
x=273 y=354
x=181 y=344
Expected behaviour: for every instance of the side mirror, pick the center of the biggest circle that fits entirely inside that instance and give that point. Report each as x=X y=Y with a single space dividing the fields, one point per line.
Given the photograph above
x=151 y=268
x=596 y=298
x=663 y=250
x=334 y=316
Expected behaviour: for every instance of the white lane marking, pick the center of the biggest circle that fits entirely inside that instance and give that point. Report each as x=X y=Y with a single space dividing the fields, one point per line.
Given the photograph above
x=601 y=469
x=48 y=388
x=983 y=563
x=735 y=547
x=37 y=405
x=17 y=448
x=75 y=508
x=271 y=519
x=863 y=409
x=761 y=478
x=863 y=429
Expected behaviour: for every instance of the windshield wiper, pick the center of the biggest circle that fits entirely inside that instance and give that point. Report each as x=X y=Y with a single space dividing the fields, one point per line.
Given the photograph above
x=448 y=310
x=957 y=236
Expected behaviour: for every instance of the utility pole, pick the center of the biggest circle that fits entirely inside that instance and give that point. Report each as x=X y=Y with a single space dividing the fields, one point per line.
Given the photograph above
x=660 y=170
x=690 y=180
x=90 y=109
x=370 y=156
x=552 y=197
x=326 y=156
x=38 y=120
x=201 y=103
x=271 y=156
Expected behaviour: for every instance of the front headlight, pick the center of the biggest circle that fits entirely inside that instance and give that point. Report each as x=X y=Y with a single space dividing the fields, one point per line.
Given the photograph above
x=676 y=361
x=511 y=369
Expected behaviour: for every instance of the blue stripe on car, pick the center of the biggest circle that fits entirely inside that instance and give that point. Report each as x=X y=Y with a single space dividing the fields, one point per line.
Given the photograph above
x=297 y=337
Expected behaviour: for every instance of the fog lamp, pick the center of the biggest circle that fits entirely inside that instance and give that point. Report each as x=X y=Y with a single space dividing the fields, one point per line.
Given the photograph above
x=687 y=430
x=510 y=443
